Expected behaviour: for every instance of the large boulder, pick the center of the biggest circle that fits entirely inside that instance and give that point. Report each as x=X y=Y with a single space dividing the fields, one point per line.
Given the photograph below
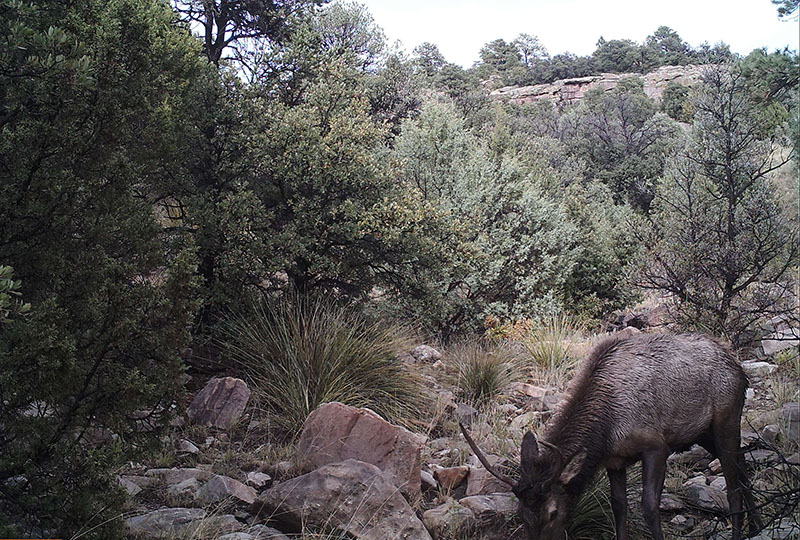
x=351 y=496
x=337 y=432
x=220 y=403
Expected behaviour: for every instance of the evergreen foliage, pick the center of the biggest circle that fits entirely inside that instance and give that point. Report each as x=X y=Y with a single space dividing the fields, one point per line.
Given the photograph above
x=83 y=86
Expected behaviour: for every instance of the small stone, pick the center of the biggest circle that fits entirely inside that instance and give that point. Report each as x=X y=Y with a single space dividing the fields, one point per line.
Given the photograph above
x=258 y=480
x=761 y=456
x=704 y=496
x=754 y=368
x=262 y=532
x=187 y=447
x=131 y=487
x=425 y=353
x=447 y=520
x=466 y=414
x=771 y=433
x=529 y=390
x=222 y=487
x=508 y=409
x=490 y=507
x=482 y=482
x=282 y=468
x=189 y=487
x=524 y=421
x=715 y=466
x=682 y=523
x=719 y=483
x=428 y=481
x=670 y=503
x=165 y=522
x=450 y=478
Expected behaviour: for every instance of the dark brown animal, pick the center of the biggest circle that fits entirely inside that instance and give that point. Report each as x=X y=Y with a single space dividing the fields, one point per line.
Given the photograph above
x=635 y=399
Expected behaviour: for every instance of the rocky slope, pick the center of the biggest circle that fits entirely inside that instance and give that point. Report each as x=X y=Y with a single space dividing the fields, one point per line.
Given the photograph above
x=356 y=474
x=568 y=91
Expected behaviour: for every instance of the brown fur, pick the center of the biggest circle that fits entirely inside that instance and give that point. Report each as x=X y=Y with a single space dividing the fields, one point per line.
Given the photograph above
x=636 y=399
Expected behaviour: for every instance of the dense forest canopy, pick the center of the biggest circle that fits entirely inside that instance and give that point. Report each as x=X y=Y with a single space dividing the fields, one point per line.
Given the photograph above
x=165 y=167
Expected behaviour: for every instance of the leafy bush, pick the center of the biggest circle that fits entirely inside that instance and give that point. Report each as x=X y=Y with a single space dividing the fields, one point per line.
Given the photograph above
x=298 y=354
x=110 y=298
x=484 y=370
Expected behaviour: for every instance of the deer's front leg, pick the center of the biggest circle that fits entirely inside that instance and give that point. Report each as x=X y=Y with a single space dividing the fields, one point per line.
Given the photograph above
x=619 y=501
x=654 y=467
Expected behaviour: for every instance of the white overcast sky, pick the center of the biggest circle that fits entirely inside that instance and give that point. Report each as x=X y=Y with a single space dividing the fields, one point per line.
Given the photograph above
x=461 y=27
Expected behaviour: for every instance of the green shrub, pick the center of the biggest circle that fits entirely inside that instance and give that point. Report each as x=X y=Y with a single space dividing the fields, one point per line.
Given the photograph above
x=298 y=354
x=484 y=370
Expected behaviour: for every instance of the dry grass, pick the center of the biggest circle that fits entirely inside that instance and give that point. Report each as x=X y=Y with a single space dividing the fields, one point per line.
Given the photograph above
x=298 y=355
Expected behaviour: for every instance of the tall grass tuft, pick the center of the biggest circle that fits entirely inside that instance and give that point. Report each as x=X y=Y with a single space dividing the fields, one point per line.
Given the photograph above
x=298 y=354
x=549 y=345
x=484 y=369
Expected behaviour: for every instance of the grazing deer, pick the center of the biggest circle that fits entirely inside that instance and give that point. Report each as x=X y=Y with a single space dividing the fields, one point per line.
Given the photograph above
x=639 y=398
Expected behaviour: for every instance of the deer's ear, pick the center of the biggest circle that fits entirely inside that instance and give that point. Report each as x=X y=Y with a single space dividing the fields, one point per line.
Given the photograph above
x=530 y=449
x=572 y=468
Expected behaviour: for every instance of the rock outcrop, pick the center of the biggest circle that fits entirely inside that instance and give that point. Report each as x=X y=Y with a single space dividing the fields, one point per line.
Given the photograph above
x=337 y=432
x=568 y=91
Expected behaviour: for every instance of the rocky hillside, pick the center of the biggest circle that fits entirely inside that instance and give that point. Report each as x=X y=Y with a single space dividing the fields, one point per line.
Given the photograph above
x=351 y=474
x=568 y=91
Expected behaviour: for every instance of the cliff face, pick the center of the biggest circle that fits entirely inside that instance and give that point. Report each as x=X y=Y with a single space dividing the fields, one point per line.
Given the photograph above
x=568 y=91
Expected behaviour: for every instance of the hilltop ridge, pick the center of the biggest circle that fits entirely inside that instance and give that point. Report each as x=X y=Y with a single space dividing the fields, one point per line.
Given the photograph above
x=566 y=91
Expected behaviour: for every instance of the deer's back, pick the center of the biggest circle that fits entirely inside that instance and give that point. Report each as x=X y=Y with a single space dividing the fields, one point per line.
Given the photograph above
x=661 y=389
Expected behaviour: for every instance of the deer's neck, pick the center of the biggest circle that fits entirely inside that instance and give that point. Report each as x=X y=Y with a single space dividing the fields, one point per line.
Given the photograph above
x=582 y=426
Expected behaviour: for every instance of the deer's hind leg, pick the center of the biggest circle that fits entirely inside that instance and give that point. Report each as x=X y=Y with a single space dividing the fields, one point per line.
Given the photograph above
x=727 y=439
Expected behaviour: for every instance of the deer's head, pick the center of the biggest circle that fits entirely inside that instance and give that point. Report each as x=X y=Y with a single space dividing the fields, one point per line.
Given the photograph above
x=544 y=503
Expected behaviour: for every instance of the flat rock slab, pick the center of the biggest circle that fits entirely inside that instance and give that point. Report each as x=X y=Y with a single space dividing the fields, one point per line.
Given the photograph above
x=707 y=497
x=220 y=403
x=351 y=496
x=482 y=482
x=497 y=506
x=336 y=432
x=448 y=519
x=220 y=488
x=172 y=523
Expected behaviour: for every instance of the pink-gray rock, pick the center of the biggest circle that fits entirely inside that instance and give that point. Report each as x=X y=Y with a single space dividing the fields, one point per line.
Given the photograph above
x=574 y=90
x=425 y=353
x=220 y=487
x=448 y=519
x=336 y=432
x=258 y=479
x=131 y=487
x=704 y=496
x=176 y=476
x=220 y=404
x=262 y=532
x=188 y=487
x=349 y=496
x=497 y=506
x=482 y=482
x=450 y=477
x=173 y=523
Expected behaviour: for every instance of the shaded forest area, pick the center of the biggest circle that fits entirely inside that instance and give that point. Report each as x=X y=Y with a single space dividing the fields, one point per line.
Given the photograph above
x=167 y=169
